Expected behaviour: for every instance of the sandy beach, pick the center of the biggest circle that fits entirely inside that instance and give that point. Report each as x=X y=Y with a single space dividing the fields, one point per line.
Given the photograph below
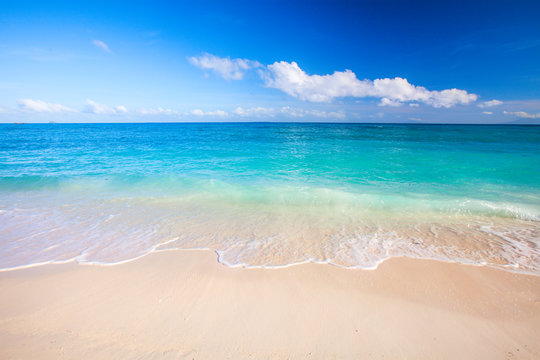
x=185 y=305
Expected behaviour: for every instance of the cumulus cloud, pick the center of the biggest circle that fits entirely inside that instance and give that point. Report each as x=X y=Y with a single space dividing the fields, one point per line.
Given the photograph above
x=95 y=108
x=291 y=79
x=490 y=103
x=523 y=114
x=41 y=106
x=100 y=44
x=227 y=68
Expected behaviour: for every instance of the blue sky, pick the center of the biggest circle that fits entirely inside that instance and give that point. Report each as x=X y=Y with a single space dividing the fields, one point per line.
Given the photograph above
x=360 y=61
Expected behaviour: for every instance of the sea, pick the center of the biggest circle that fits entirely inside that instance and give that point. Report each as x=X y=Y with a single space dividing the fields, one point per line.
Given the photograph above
x=271 y=194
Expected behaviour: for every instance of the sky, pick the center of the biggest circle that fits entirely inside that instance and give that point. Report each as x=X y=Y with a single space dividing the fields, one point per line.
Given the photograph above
x=342 y=61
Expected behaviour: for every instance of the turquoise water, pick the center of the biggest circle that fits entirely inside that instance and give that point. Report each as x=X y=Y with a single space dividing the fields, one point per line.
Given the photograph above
x=269 y=194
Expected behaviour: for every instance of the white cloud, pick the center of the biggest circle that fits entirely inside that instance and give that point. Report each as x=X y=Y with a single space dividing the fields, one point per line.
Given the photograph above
x=255 y=112
x=293 y=112
x=265 y=112
x=291 y=79
x=227 y=68
x=297 y=112
x=487 y=112
x=42 y=106
x=389 y=102
x=100 y=44
x=158 y=111
x=120 y=109
x=95 y=108
x=199 y=112
x=327 y=114
x=523 y=114
x=490 y=103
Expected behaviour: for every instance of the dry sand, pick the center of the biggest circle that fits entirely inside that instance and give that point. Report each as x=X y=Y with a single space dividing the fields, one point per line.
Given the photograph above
x=183 y=304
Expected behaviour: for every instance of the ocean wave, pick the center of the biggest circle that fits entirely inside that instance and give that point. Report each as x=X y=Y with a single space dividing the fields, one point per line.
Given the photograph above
x=262 y=226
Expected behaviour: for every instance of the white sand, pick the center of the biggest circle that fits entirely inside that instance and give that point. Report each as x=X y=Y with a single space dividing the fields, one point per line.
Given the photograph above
x=183 y=304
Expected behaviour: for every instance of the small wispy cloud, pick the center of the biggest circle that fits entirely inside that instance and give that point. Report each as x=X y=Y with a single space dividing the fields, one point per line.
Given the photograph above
x=199 y=112
x=244 y=112
x=258 y=111
x=523 y=114
x=100 y=44
x=93 y=107
x=287 y=111
x=227 y=68
x=158 y=111
x=490 y=103
x=487 y=112
x=299 y=112
x=41 y=106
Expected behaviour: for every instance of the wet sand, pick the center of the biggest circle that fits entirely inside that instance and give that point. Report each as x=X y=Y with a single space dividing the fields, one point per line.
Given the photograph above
x=185 y=305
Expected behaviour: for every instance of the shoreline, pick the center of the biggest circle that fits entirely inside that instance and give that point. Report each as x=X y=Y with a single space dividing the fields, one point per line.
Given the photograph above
x=505 y=268
x=185 y=304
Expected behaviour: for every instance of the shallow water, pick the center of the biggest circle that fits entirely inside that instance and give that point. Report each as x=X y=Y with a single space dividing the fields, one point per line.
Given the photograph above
x=271 y=194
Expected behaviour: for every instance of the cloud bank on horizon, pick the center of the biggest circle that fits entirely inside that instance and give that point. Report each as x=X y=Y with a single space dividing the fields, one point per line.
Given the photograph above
x=93 y=108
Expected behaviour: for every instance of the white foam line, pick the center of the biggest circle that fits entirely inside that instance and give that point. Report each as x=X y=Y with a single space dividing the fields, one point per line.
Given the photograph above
x=514 y=268
x=28 y=266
